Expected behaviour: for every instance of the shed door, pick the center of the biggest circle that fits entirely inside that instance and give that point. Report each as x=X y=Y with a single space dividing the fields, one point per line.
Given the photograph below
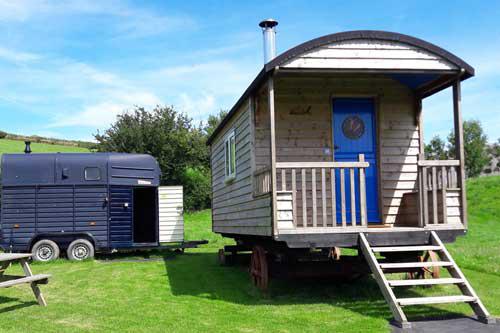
x=171 y=214
x=121 y=216
x=354 y=133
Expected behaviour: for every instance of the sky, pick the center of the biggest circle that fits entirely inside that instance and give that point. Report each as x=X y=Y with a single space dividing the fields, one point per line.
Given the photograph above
x=68 y=68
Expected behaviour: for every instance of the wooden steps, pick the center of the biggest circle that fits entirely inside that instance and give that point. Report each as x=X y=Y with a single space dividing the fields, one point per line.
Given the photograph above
x=406 y=248
x=381 y=269
x=423 y=282
x=415 y=264
x=435 y=300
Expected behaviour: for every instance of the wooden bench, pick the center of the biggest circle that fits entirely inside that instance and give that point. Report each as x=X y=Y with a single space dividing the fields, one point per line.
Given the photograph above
x=6 y=281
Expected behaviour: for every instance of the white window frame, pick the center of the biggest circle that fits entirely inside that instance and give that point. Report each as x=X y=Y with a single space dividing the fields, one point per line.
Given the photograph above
x=230 y=150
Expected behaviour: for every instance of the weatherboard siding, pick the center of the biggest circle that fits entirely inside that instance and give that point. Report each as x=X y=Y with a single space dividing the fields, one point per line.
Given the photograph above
x=304 y=132
x=369 y=54
x=235 y=210
x=31 y=210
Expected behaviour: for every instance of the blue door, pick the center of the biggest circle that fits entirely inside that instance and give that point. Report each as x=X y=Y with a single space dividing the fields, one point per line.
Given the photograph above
x=121 y=216
x=354 y=133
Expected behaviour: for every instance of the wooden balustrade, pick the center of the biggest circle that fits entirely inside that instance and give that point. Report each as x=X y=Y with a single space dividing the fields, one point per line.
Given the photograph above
x=314 y=187
x=437 y=178
x=262 y=182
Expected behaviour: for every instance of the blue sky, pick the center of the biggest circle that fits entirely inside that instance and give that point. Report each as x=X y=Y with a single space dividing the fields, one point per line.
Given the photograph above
x=67 y=68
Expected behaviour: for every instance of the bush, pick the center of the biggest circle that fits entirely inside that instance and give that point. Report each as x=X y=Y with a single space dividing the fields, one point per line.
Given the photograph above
x=197 y=188
x=3 y=134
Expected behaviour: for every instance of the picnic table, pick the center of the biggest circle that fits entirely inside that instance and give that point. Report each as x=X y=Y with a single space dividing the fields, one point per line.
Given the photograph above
x=6 y=281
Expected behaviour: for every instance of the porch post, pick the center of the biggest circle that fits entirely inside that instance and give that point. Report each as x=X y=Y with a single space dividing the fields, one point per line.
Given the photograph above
x=421 y=156
x=459 y=146
x=270 y=90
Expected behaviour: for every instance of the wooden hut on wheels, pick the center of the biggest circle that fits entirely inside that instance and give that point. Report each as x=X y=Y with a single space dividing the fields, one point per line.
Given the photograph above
x=325 y=150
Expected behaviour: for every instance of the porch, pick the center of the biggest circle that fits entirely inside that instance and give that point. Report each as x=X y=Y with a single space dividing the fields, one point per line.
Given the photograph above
x=323 y=197
x=317 y=190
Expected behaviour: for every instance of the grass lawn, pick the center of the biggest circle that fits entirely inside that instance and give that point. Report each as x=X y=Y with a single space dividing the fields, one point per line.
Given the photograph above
x=16 y=146
x=191 y=293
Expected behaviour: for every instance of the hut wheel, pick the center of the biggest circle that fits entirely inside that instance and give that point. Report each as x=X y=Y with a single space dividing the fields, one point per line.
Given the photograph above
x=427 y=272
x=259 y=268
x=221 y=257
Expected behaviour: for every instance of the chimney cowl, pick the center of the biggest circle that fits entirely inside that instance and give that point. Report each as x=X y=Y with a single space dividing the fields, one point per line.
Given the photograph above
x=268 y=23
x=269 y=33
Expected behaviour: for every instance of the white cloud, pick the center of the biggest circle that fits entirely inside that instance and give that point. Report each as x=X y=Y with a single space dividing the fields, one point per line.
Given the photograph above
x=104 y=112
x=127 y=20
x=198 y=106
x=17 y=56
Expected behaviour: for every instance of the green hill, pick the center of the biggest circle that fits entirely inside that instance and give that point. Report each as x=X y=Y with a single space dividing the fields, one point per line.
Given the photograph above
x=16 y=146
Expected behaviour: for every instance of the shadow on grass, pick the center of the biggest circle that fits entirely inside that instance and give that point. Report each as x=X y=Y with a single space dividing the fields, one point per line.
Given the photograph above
x=199 y=275
x=138 y=256
x=18 y=305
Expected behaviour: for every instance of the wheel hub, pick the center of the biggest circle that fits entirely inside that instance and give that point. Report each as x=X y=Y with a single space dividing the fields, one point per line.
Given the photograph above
x=81 y=251
x=45 y=252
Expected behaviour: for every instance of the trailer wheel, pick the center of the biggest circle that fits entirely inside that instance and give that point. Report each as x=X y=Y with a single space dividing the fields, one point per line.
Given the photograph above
x=259 y=270
x=80 y=249
x=221 y=257
x=427 y=272
x=45 y=250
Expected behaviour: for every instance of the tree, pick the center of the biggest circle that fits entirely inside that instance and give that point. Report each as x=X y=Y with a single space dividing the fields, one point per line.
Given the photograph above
x=436 y=149
x=178 y=146
x=475 y=147
x=214 y=121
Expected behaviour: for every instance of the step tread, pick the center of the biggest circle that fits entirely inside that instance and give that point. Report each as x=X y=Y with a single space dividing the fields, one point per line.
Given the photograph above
x=406 y=248
x=423 y=282
x=435 y=300
x=416 y=264
x=27 y=279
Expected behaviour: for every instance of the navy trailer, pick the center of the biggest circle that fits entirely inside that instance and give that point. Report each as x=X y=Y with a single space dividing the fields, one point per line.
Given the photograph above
x=81 y=203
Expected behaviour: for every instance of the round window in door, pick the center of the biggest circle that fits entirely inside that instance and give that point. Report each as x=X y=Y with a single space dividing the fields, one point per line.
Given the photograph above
x=353 y=127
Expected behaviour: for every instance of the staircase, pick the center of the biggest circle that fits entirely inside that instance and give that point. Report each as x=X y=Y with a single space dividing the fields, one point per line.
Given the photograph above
x=380 y=271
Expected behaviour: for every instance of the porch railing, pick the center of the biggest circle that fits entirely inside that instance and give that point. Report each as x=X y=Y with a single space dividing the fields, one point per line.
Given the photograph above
x=439 y=191
x=315 y=187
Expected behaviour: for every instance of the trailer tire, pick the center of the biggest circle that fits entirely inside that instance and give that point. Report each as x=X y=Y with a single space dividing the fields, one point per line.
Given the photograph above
x=45 y=250
x=80 y=249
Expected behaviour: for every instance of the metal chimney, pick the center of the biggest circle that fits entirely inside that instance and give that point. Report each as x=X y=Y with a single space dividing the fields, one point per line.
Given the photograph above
x=27 y=148
x=269 y=39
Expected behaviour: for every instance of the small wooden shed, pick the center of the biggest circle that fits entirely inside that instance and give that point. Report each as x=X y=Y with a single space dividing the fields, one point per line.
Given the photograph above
x=346 y=106
x=325 y=149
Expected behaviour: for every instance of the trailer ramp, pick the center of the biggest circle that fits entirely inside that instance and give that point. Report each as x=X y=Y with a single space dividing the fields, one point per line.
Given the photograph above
x=380 y=271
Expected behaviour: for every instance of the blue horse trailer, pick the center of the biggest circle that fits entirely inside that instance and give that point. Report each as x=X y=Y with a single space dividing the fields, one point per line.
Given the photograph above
x=81 y=203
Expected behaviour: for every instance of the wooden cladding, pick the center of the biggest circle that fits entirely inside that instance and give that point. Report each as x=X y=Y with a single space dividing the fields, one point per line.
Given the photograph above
x=325 y=194
x=262 y=182
x=436 y=179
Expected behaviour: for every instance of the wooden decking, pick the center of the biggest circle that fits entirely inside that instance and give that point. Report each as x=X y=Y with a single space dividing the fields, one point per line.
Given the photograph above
x=369 y=229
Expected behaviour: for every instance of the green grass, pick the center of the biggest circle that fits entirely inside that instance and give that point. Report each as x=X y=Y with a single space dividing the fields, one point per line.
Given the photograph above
x=15 y=146
x=191 y=293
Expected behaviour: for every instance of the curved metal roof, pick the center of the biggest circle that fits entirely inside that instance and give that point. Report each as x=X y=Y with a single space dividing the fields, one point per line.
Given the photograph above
x=284 y=57
x=69 y=169
x=369 y=34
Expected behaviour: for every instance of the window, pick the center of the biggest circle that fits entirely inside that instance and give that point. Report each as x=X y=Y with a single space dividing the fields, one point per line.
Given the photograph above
x=92 y=173
x=230 y=156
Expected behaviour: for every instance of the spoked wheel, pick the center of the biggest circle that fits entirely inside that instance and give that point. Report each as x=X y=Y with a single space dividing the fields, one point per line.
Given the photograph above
x=427 y=272
x=259 y=270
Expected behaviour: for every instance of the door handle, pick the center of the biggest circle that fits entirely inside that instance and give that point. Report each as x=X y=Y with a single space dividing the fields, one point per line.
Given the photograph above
x=336 y=147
